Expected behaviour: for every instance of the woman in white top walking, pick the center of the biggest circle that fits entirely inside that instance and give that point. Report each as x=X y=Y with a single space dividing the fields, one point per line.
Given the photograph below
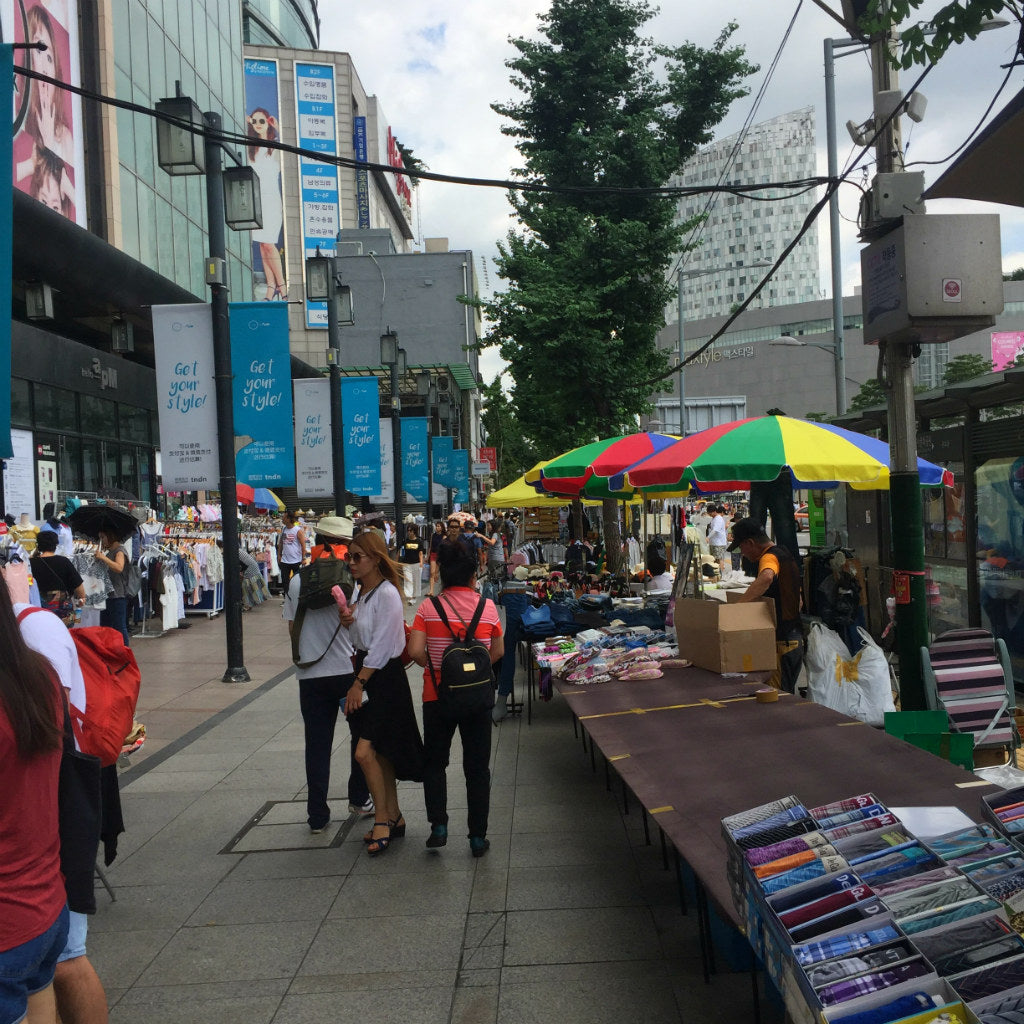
x=291 y=548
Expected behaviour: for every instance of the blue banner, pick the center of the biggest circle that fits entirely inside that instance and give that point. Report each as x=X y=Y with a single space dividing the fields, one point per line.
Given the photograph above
x=444 y=469
x=414 y=457
x=360 y=411
x=460 y=476
x=6 y=242
x=362 y=177
x=318 y=182
x=262 y=394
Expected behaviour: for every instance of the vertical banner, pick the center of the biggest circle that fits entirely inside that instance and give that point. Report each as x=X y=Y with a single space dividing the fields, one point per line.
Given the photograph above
x=444 y=470
x=262 y=392
x=318 y=182
x=360 y=413
x=387 y=464
x=362 y=177
x=263 y=124
x=49 y=151
x=6 y=257
x=314 y=470
x=187 y=401
x=460 y=475
x=414 y=457
x=19 y=474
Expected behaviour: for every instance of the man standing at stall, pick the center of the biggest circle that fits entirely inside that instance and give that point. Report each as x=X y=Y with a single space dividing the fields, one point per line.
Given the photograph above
x=778 y=577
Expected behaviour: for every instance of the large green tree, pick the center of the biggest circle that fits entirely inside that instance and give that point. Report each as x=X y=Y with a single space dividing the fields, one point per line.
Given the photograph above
x=587 y=270
x=965 y=367
x=515 y=454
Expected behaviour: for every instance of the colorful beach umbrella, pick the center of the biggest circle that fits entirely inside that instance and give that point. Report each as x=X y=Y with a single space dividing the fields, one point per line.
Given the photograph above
x=263 y=497
x=731 y=456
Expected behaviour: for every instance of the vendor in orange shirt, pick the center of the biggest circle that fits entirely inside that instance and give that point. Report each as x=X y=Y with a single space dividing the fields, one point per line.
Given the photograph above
x=778 y=577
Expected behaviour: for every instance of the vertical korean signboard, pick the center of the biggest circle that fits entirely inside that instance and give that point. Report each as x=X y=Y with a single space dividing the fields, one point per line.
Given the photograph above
x=360 y=414
x=414 y=457
x=262 y=392
x=314 y=471
x=362 y=177
x=183 y=350
x=263 y=124
x=318 y=182
x=386 y=495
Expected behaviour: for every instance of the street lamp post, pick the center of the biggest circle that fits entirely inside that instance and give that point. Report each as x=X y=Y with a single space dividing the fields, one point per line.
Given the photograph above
x=393 y=357
x=835 y=347
x=444 y=412
x=231 y=197
x=323 y=284
x=426 y=388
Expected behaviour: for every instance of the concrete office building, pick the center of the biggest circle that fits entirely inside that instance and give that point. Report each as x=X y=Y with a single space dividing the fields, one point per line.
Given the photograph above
x=113 y=235
x=744 y=374
x=739 y=232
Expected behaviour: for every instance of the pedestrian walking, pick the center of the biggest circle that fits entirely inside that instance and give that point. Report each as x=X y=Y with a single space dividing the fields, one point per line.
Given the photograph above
x=410 y=556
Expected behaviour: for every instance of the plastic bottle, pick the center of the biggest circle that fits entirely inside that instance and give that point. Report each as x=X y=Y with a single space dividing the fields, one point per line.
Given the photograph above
x=339 y=596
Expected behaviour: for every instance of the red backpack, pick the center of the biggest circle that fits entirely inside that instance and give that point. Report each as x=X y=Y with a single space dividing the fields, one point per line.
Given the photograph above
x=112 y=682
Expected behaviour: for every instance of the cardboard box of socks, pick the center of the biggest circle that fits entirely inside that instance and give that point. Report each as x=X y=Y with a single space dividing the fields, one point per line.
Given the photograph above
x=1005 y=810
x=902 y=924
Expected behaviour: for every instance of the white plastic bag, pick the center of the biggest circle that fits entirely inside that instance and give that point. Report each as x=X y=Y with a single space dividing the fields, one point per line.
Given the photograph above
x=857 y=685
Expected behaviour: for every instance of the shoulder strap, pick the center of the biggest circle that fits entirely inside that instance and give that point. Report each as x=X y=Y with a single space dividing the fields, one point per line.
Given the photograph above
x=475 y=621
x=300 y=615
x=436 y=602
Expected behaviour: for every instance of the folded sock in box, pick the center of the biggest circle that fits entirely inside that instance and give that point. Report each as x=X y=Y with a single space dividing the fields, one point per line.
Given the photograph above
x=764 y=854
x=870 y=959
x=908 y=861
x=780 y=820
x=983 y=851
x=743 y=819
x=775 y=834
x=804 y=873
x=967 y=934
x=794 y=860
x=987 y=981
x=826 y=905
x=866 y=844
x=843 y=945
x=890 y=886
x=857 y=914
x=947 y=915
x=971 y=959
x=984 y=869
x=848 y=817
x=897 y=1009
x=852 y=803
x=855 y=828
x=784 y=901
x=851 y=988
x=953 y=843
x=931 y=897
x=1004 y=887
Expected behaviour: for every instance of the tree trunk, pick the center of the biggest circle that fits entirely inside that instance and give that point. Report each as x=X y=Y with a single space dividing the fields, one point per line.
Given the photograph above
x=612 y=537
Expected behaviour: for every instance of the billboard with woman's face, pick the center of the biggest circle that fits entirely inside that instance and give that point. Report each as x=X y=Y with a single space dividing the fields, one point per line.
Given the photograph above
x=47 y=120
x=263 y=124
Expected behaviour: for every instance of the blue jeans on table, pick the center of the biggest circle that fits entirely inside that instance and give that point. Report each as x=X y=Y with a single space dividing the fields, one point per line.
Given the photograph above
x=320 y=702
x=115 y=616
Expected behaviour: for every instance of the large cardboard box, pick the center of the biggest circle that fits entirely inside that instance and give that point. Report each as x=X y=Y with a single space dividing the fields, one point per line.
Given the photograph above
x=726 y=637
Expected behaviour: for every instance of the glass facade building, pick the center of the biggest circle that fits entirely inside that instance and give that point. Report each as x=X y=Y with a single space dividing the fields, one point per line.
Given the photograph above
x=292 y=23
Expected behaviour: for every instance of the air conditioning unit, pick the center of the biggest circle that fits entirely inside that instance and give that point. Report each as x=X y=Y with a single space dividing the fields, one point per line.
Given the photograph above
x=444 y=383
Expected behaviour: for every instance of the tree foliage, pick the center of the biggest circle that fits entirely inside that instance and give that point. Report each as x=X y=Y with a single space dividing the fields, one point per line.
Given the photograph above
x=515 y=455
x=871 y=393
x=1015 y=275
x=925 y=43
x=965 y=367
x=586 y=272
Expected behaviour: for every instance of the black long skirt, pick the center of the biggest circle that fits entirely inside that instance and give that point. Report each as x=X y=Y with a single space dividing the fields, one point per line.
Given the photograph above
x=388 y=721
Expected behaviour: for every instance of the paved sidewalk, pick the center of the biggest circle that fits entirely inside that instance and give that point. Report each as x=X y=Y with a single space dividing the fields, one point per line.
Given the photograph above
x=229 y=910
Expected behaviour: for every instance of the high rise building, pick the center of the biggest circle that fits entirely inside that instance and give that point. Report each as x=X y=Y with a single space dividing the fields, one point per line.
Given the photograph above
x=741 y=236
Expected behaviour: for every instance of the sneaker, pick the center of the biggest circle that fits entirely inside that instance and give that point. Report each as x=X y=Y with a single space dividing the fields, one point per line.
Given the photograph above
x=315 y=830
x=499 y=711
x=363 y=810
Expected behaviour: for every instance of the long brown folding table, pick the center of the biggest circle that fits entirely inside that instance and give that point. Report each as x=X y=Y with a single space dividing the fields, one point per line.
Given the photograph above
x=694 y=746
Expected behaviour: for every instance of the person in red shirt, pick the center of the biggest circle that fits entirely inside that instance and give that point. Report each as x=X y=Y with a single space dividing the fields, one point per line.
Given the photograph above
x=459 y=597
x=33 y=906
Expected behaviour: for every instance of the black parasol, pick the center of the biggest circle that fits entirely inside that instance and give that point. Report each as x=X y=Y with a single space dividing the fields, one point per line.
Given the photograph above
x=116 y=494
x=91 y=520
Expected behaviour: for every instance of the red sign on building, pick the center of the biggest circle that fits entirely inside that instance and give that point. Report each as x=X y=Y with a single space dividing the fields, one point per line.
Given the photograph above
x=490 y=456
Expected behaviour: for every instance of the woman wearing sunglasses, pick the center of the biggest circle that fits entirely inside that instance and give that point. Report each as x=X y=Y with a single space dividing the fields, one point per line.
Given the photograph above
x=379 y=702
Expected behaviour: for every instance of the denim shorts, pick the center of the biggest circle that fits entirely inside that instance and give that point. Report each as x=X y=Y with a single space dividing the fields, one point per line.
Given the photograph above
x=78 y=929
x=28 y=968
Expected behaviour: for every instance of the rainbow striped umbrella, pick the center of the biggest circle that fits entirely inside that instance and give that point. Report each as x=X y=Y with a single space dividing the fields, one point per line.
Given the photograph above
x=734 y=455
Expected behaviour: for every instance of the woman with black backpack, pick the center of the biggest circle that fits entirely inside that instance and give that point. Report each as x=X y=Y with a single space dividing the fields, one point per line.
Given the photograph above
x=460 y=629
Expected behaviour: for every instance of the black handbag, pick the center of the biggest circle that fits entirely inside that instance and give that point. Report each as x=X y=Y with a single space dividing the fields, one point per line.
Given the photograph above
x=79 y=811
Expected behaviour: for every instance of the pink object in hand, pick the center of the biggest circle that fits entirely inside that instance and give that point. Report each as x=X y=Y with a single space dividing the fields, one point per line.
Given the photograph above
x=339 y=596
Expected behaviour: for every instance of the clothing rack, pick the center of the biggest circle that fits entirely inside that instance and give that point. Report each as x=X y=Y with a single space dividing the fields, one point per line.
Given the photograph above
x=144 y=633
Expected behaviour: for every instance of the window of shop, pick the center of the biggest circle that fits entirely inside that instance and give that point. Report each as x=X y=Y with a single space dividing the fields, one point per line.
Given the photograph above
x=70 y=457
x=55 y=408
x=91 y=477
x=98 y=416
x=134 y=423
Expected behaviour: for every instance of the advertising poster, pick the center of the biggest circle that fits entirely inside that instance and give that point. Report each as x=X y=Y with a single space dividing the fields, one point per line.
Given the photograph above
x=1006 y=346
x=362 y=177
x=387 y=464
x=444 y=468
x=460 y=475
x=19 y=475
x=263 y=124
x=49 y=153
x=360 y=413
x=262 y=393
x=317 y=130
x=414 y=457
x=314 y=471
x=187 y=401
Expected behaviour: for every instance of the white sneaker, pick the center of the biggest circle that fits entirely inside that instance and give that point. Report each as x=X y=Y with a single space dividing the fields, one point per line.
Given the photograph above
x=363 y=811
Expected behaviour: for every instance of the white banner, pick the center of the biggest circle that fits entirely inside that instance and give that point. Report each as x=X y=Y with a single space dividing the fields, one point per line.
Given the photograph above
x=387 y=465
x=314 y=470
x=183 y=349
x=20 y=475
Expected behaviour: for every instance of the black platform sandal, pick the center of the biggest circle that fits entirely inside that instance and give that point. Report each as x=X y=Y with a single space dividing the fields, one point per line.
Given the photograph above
x=398 y=827
x=380 y=845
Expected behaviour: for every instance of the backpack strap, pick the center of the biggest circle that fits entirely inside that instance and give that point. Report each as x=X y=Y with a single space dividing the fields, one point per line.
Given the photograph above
x=300 y=615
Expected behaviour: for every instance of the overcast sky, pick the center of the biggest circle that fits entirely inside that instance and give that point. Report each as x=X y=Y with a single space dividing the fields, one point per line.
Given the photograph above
x=436 y=65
